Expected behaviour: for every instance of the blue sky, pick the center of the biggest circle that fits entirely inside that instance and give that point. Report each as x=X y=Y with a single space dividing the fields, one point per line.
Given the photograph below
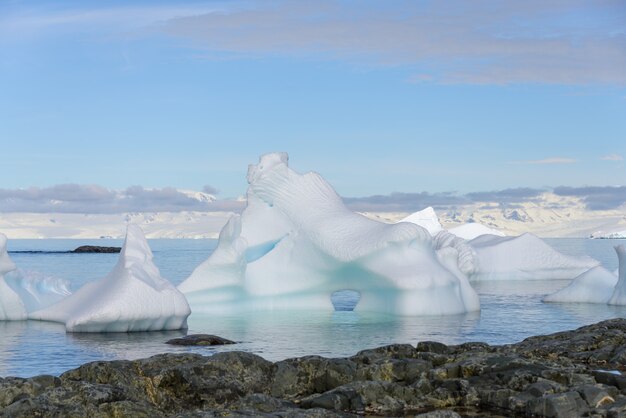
x=377 y=96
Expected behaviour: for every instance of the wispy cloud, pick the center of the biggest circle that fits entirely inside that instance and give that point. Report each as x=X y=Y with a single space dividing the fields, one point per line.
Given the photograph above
x=41 y=20
x=552 y=160
x=448 y=41
x=484 y=42
x=612 y=157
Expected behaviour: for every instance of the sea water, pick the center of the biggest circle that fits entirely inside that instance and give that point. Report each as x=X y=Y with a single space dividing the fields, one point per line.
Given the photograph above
x=510 y=312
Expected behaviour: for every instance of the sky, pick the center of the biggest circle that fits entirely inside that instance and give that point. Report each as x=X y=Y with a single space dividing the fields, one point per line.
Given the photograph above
x=386 y=99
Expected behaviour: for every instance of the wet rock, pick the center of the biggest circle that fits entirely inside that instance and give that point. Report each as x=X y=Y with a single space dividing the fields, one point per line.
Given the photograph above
x=562 y=405
x=551 y=376
x=200 y=340
x=439 y=414
x=432 y=347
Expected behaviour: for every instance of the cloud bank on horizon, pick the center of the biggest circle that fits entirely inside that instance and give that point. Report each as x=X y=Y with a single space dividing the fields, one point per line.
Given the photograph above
x=93 y=199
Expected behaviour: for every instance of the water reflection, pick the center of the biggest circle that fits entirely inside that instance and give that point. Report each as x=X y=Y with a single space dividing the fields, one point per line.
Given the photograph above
x=511 y=311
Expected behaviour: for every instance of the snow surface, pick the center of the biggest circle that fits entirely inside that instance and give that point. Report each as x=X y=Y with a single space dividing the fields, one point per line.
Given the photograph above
x=474 y=230
x=132 y=297
x=524 y=257
x=426 y=218
x=296 y=244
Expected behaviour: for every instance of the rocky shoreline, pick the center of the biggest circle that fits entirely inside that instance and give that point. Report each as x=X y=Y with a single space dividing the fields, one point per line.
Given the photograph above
x=568 y=374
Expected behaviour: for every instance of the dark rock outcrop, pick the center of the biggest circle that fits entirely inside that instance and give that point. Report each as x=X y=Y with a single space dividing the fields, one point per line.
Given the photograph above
x=559 y=375
x=96 y=249
x=200 y=340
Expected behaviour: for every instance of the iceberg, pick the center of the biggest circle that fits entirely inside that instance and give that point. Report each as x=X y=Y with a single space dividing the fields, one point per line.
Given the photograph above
x=597 y=285
x=474 y=230
x=22 y=292
x=523 y=257
x=593 y=286
x=296 y=243
x=427 y=219
x=619 y=295
x=11 y=306
x=132 y=297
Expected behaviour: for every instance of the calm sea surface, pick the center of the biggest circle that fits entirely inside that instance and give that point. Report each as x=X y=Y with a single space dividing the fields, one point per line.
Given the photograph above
x=511 y=311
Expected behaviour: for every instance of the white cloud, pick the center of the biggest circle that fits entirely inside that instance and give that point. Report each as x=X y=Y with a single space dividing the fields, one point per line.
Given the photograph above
x=612 y=157
x=552 y=160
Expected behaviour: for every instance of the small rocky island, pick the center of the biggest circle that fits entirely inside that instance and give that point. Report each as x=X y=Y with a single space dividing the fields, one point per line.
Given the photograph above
x=96 y=249
x=568 y=374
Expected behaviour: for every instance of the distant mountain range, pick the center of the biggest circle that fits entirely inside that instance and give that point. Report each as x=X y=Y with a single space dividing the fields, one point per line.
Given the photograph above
x=549 y=215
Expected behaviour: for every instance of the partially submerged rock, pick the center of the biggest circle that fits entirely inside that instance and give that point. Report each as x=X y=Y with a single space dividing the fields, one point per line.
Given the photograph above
x=558 y=375
x=200 y=339
x=97 y=249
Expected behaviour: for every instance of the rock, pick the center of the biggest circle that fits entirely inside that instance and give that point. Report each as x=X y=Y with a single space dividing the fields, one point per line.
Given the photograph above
x=200 y=340
x=443 y=413
x=96 y=249
x=562 y=405
x=556 y=375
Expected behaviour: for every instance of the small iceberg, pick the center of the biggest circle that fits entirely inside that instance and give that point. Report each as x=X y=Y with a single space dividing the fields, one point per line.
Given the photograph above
x=132 y=297
x=524 y=257
x=296 y=244
x=597 y=285
x=11 y=306
x=24 y=292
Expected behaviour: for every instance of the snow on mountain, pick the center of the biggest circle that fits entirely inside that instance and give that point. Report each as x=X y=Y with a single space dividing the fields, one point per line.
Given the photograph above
x=474 y=230
x=70 y=225
x=199 y=196
x=549 y=215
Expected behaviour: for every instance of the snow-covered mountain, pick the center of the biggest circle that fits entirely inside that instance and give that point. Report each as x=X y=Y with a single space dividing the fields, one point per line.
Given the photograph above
x=548 y=215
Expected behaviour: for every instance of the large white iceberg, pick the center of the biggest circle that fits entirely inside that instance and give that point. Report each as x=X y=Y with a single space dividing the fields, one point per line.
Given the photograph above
x=296 y=244
x=132 y=297
x=427 y=219
x=597 y=285
x=524 y=257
